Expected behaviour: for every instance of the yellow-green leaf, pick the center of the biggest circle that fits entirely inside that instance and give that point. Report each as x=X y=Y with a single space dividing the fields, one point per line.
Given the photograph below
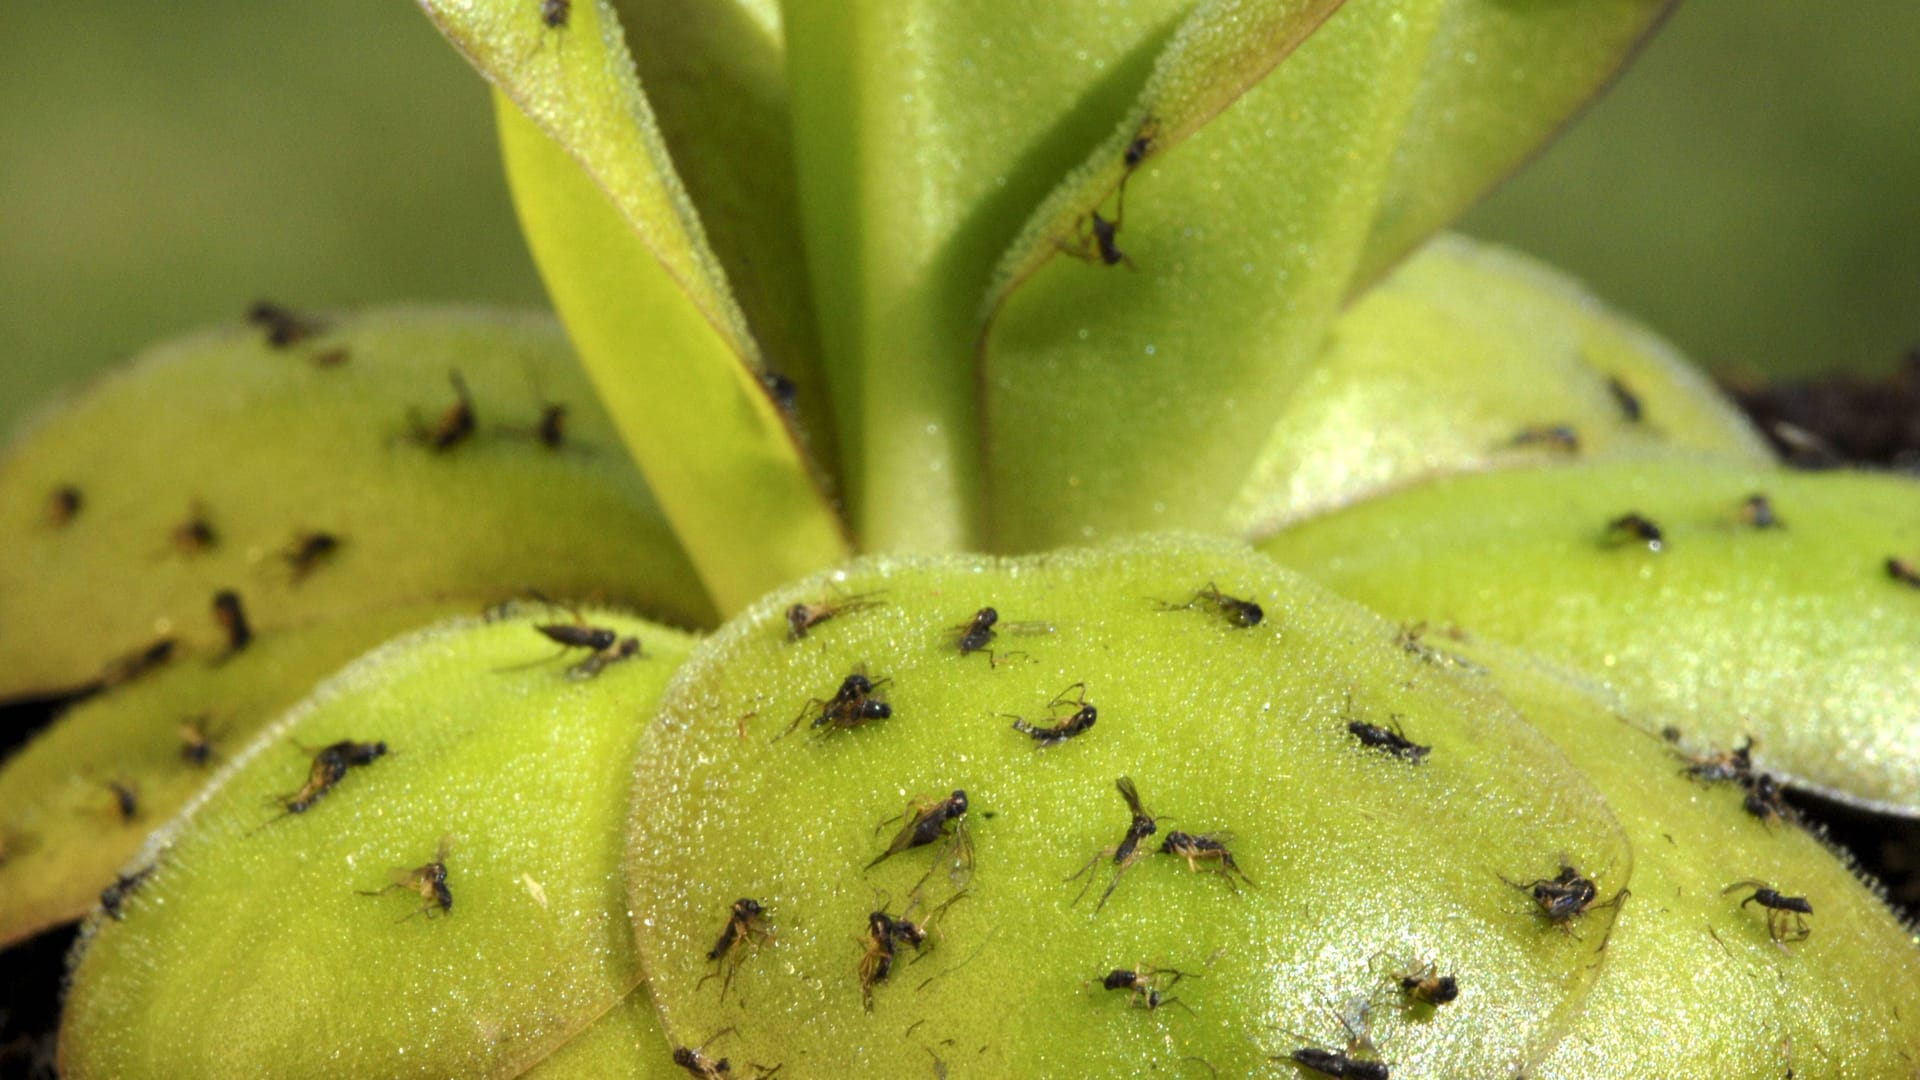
x=1357 y=863
x=1469 y=358
x=625 y=258
x=737 y=163
x=161 y=740
x=1135 y=394
x=218 y=462
x=498 y=766
x=1794 y=634
x=1696 y=984
x=925 y=131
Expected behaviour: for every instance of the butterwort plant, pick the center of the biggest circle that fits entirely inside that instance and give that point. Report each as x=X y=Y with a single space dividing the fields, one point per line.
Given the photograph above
x=1024 y=552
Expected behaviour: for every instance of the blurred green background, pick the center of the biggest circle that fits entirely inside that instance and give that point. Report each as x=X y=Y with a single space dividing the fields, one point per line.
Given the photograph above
x=1752 y=187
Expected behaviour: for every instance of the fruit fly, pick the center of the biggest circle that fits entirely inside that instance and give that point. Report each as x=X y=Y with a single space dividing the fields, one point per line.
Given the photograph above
x=1097 y=239
x=1635 y=527
x=232 y=617
x=114 y=897
x=625 y=649
x=429 y=880
x=307 y=551
x=781 y=389
x=1209 y=848
x=1757 y=510
x=1426 y=986
x=926 y=822
x=125 y=669
x=1903 y=571
x=329 y=767
x=551 y=431
x=746 y=922
x=455 y=425
x=1084 y=714
x=885 y=934
x=1143 y=985
x=126 y=801
x=555 y=13
x=1336 y=1064
x=1631 y=410
x=1565 y=895
x=1735 y=764
x=196 y=741
x=284 y=326
x=850 y=707
x=1779 y=909
x=699 y=1063
x=802 y=618
x=1561 y=437
x=194 y=535
x=1764 y=800
x=1141 y=144
x=978 y=632
x=1128 y=851
x=63 y=505
x=1240 y=614
x=1390 y=740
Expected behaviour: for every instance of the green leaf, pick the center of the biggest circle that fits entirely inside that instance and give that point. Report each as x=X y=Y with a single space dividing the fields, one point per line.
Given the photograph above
x=1469 y=358
x=259 y=918
x=1501 y=79
x=626 y=1043
x=737 y=163
x=62 y=822
x=1687 y=952
x=1359 y=862
x=626 y=261
x=1795 y=635
x=925 y=131
x=1126 y=397
x=1119 y=400
x=261 y=447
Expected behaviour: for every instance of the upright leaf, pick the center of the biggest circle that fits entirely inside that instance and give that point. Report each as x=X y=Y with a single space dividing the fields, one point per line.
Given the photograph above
x=1387 y=122
x=1131 y=393
x=715 y=74
x=626 y=261
x=925 y=130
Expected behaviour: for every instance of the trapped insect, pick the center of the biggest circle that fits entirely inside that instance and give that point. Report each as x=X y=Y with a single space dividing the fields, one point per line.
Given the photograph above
x=1240 y=614
x=1078 y=723
x=429 y=880
x=1128 y=851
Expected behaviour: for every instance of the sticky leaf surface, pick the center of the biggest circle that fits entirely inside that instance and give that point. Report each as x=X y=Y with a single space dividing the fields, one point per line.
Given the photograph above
x=1356 y=858
x=261 y=919
x=1796 y=635
x=65 y=831
x=266 y=448
x=1469 y=358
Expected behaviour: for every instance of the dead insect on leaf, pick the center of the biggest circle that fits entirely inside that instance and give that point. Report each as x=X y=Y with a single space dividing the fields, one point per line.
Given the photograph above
x=1144 y=985
x=1631 y=410
x=1240 y=614
x=1128 y=851
x=746 y=922
x=284 y=326
x=307 y=551
x=63 y=505
x=114 y=897
x=1779 y=908
x=850 y=707
x=1078 y=723
x=232 y=617
x=1561 y=437
x=802 y=618
x=1634 y=528
x=1208 y=848
x=429 y=880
